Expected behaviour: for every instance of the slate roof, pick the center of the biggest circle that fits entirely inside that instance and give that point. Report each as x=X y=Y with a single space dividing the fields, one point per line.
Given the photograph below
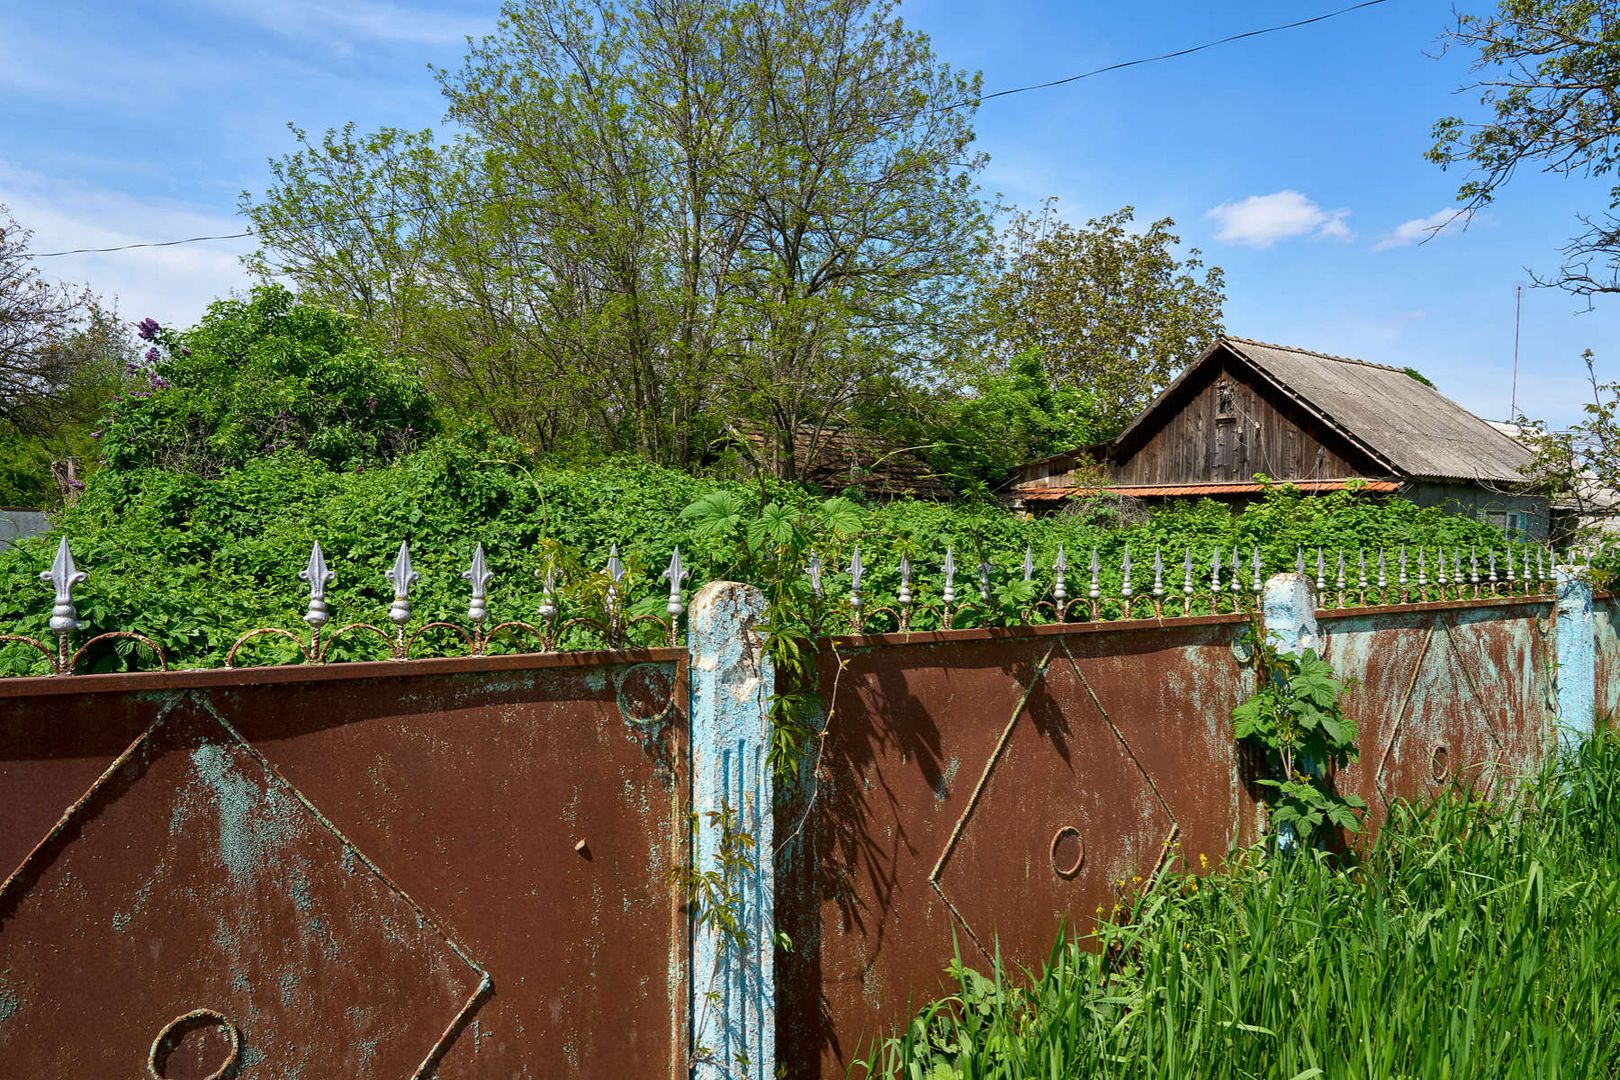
x=1415 y=430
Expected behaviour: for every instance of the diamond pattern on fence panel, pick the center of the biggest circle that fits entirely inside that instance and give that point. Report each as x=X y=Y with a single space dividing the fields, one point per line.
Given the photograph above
x=990 y=791
x=1464 y=694
x=460 y=868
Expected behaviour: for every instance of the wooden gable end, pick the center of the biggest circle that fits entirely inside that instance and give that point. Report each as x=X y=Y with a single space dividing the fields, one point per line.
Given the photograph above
x=1225 y=422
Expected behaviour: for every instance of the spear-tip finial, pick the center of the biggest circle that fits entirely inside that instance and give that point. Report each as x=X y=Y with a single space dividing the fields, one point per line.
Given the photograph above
x=401 y=576
x=319 y=577
x=675 y=573
x=62 y=576
x=478 y=574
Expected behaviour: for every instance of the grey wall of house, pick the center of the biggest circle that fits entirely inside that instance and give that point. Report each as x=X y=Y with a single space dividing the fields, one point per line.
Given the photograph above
x=1480 y=502
x=18 y=524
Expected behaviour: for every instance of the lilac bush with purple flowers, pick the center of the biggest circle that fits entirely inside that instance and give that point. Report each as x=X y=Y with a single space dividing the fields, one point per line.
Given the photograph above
x=261 y=376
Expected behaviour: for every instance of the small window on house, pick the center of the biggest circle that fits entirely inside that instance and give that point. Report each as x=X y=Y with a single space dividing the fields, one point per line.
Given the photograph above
x=1509 y=521
x=1225 y=411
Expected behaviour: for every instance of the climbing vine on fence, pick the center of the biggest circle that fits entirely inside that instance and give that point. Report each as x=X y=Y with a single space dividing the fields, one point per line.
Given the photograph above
x=1296 y=724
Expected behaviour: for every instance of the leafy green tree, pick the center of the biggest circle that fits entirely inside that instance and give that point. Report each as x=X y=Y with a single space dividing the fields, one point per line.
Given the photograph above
x=1111 y=309
x=258 y=377
x=1549 y=83
x=655 y=218
x=62 y=354
x=1011 y=417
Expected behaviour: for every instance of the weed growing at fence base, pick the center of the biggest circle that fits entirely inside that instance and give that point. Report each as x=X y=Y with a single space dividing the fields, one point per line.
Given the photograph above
x=1472 y=939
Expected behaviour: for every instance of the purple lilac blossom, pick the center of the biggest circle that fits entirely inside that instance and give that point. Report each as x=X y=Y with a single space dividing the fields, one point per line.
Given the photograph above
x=151 y=356
x=147 y=329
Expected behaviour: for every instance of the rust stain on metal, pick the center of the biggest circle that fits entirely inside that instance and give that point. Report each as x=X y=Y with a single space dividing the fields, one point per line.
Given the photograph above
x=1092 y=751
x=240 y=835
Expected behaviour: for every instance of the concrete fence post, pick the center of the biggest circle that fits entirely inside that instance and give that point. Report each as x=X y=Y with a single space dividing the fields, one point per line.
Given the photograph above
x=733 y=1007
x=1288 y=607
x=1576 y=671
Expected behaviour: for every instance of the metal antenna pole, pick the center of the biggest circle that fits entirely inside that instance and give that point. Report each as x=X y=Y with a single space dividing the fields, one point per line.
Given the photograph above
x=1518 y=304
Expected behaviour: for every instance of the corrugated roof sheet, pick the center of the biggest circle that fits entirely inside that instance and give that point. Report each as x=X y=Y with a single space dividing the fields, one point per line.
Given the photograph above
x=1414 y=427
x=1170 y=491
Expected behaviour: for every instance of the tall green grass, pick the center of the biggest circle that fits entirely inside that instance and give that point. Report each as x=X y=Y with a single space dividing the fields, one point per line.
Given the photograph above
x=1473 y=938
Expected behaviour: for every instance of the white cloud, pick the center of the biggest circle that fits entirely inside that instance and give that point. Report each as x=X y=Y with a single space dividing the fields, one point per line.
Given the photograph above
x=1261 y=220
x=375 y=20
x=172 y=285
x=1410 y=232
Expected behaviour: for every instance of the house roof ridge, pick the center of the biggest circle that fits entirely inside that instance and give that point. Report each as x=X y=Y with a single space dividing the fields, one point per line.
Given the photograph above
x=1311 y=352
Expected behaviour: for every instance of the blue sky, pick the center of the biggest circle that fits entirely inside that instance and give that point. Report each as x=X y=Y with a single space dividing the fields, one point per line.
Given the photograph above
x=1293 y=161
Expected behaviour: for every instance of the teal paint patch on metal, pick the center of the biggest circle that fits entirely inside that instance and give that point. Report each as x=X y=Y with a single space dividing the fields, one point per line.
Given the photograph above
x=9 y=1005
x=1577 y=657
x=733 y=1003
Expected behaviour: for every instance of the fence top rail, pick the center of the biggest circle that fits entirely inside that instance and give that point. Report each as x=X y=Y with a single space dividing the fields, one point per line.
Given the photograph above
x=1543 y=600
x=1033 y=630
x=354 y=671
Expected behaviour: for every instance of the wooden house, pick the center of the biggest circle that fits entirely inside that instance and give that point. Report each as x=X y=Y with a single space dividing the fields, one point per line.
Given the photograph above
x=1306 y=418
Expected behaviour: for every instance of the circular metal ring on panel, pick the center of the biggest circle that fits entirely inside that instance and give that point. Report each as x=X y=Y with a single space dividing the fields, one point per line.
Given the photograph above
x=168 y=1040
x=1439 y=760
x=1068 y=852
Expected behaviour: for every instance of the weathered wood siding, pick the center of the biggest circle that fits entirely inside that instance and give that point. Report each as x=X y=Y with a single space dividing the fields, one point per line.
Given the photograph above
x=1261 y=432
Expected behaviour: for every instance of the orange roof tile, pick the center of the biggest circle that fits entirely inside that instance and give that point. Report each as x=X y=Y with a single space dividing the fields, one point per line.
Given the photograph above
x=1163 y=491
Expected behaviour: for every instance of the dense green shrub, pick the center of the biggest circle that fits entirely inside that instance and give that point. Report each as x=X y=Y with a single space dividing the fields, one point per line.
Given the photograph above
x=262 y=376
x=1474 y=939
x=194 y=561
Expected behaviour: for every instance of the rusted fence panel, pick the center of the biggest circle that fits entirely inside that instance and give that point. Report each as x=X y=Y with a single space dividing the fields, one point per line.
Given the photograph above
x=1606 y=632
x=358 y=871
x=1461 y=689
x=989 y=787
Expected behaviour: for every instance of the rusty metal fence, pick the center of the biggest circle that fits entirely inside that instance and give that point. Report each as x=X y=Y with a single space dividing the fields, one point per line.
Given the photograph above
x=573 y=863
x=458 y=869
x=981 y=790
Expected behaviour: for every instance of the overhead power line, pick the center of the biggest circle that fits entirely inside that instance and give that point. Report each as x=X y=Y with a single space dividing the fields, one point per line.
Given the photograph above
x=977 y=100
x=1172 y=55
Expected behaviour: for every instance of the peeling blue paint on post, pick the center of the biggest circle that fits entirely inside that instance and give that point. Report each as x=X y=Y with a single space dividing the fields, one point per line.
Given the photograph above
x=1577 y=656
x=733 y=1008
x=1288 y=609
